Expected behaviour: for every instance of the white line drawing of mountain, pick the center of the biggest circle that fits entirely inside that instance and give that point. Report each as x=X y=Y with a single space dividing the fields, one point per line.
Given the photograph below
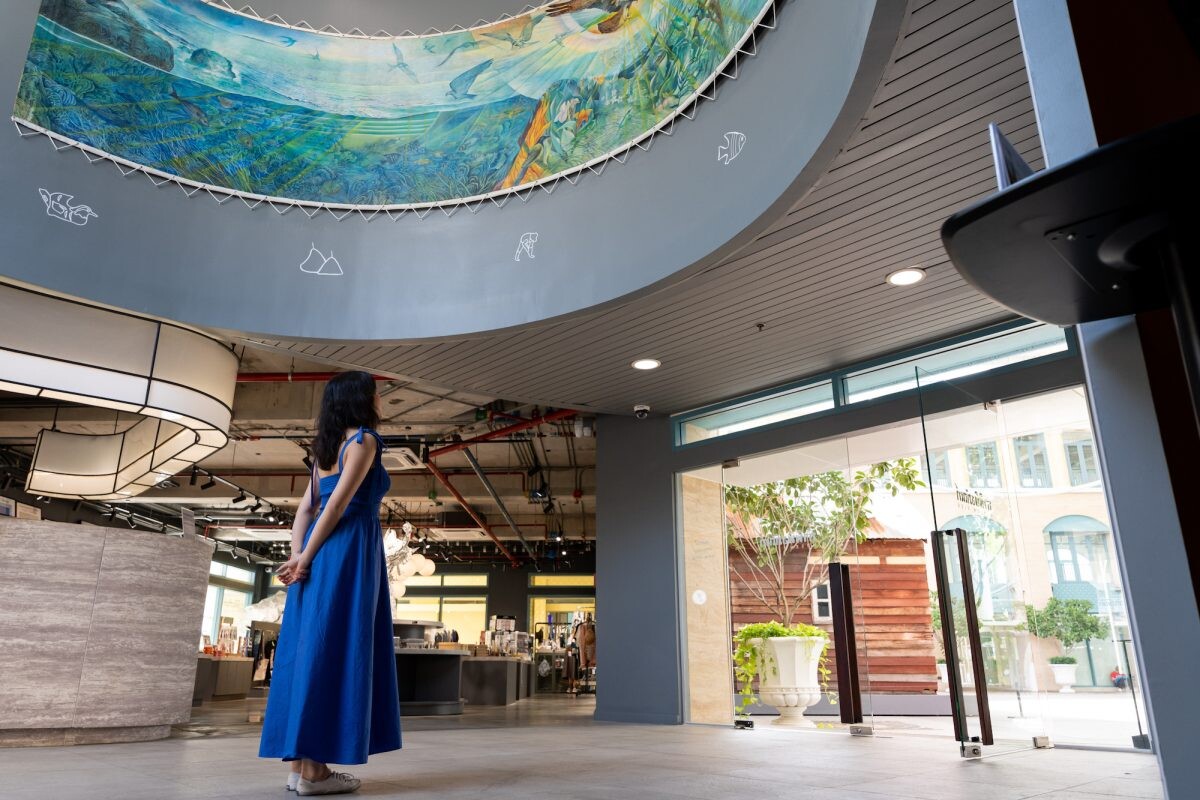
x=58 y=205
x=734 y=142
x=317 y=263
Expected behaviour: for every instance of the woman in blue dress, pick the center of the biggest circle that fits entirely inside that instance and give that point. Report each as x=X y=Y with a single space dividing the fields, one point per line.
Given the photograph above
x=333 y=697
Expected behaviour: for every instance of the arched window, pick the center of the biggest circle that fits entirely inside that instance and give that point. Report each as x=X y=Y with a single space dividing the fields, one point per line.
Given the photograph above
x=1080 y=560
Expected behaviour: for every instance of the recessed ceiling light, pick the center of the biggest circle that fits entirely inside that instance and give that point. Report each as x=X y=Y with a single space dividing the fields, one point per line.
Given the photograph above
x=647 y=363
x=906 y=277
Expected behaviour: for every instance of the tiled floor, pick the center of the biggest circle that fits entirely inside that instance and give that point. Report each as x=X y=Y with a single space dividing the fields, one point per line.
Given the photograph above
x=553 y=750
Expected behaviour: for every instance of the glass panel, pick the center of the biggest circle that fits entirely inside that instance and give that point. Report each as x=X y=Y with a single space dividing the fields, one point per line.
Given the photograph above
x=466 y=615
x=956 y=361
x=755 y=413
x=793 y=519
x=562 y=580
x=239 y=574
x=421 y=580
x=998 y=466
x=428 y=609
x=464 y=580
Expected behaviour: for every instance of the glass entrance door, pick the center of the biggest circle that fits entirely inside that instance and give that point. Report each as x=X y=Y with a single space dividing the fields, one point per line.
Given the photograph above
x=996 y=691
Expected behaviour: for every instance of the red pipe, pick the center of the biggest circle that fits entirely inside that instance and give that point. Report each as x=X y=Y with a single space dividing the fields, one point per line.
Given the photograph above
x=293 y=377
x=462 y=501
x=520 y=426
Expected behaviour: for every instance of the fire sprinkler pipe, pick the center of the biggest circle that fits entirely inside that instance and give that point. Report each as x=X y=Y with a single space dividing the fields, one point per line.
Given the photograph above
x=500 y=503
x=554 y=416
x=475 y=515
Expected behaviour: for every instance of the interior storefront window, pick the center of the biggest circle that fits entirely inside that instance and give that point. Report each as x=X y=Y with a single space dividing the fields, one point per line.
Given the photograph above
x=466 y=615
x=983 y=466
x=562 y=580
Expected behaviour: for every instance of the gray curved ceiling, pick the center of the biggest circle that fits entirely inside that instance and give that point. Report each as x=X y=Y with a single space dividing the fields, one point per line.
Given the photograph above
x=663 y=215
x=815 y=279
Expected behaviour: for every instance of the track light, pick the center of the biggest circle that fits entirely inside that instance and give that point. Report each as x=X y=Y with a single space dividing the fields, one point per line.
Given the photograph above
x=204 y=487
x=258 y=506
x=271 y=517
x=241 y=498
x=195 y=474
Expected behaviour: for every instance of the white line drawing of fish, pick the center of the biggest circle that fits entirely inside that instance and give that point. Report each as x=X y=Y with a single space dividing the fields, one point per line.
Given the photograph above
x=734 y=142
x=58 y=205
x=317 y=263
x=525 y=245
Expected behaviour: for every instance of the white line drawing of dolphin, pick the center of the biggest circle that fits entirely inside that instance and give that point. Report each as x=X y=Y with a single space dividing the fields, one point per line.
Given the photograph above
x=525 y=245
x=317 y=263
x=58 y=205
x=734 y=142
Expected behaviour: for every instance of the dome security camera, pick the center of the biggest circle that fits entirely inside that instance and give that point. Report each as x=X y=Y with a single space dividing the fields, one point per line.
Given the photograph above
x=641 y=411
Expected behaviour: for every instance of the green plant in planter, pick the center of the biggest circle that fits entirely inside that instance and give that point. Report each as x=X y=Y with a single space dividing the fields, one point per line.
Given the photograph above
x=749 y=659
x=1063 y=660
x=1070 y=621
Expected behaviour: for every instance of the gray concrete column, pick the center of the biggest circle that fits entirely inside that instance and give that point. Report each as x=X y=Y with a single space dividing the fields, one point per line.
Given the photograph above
x=1146 y=523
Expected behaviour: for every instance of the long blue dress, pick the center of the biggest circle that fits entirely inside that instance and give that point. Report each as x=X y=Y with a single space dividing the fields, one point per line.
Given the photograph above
x=333 y=692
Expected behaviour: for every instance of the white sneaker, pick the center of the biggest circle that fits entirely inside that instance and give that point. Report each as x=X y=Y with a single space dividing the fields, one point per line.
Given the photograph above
x=336 y=783
x=293 y=779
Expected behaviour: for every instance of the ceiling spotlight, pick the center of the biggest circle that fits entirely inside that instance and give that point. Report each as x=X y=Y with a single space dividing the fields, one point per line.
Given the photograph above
x=646 y=363
x=204 y=487
x=195 y=474
x=271 y=517
x=241 y=498
x=258 y=506
x=906 y=277
x=548 y=506
x=540 y=493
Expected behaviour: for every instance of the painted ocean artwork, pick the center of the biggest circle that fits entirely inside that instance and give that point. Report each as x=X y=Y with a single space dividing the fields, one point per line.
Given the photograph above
x=227 y=100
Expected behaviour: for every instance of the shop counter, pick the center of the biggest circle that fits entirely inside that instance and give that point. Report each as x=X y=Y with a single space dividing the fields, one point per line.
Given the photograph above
x=206 y=679
x=233 y=676
x=430 y=682
x=496 y=680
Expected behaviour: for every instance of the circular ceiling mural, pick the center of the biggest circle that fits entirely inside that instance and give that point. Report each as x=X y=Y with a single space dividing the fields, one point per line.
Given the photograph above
x=225 y=100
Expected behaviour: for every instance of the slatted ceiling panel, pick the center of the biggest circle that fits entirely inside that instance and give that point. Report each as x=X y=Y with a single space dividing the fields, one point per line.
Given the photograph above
x=815 y=277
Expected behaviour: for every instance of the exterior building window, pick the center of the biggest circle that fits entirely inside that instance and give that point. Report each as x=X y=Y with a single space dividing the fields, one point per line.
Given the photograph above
x=1081 y=459
x=937 y=467
x=983 y=466
x=1033 y=465
x=822 y=605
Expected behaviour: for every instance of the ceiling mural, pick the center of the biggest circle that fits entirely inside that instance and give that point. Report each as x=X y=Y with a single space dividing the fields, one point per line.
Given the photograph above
x=260 y=108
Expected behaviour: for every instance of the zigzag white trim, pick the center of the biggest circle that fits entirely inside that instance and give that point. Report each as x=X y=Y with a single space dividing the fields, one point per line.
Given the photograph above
x=358 y=33
x=708 y=91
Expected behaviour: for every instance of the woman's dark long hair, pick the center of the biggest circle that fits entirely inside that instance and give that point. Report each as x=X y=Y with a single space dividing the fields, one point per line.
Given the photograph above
x=349 y=402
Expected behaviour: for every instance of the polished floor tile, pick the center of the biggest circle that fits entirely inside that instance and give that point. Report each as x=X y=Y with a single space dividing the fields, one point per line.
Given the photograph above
x=551 y=748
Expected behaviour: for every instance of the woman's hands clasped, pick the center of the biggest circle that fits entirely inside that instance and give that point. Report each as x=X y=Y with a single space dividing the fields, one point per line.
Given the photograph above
x=294 y=570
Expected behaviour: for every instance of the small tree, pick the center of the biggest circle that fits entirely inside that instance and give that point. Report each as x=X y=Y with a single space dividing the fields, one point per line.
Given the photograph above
x=1070 y=621
x=821 y=513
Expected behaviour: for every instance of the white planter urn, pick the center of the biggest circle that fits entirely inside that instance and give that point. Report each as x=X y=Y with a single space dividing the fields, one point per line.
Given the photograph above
x=1064 y=676
x=788 y=678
